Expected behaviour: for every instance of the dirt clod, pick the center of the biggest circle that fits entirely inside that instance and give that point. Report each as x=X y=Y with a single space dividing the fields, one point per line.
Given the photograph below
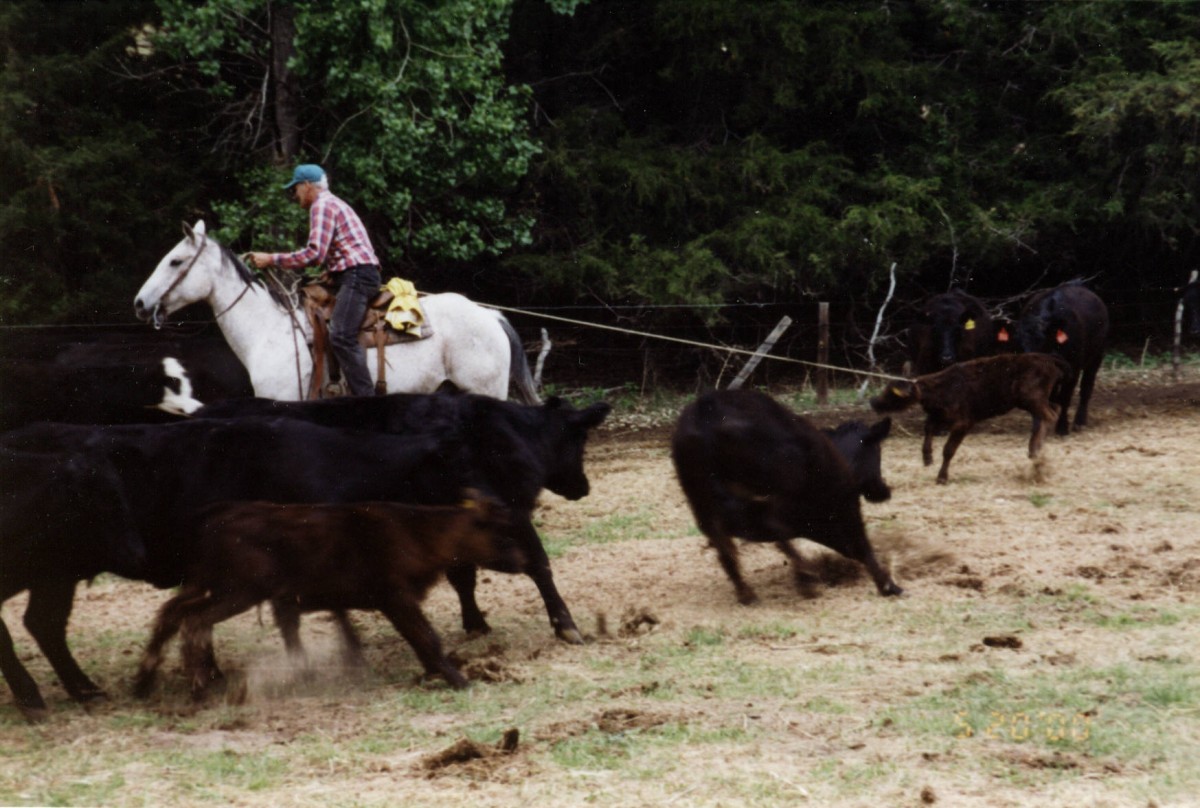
x=637 y=621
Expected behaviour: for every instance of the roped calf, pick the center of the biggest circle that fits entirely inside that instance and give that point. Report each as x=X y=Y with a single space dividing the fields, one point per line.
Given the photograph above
x=374 y=555
x=753 y=469
x=962 y=395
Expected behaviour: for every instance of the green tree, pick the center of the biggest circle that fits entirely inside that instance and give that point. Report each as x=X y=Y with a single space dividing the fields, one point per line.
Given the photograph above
x=87 y=166
x=403 y=101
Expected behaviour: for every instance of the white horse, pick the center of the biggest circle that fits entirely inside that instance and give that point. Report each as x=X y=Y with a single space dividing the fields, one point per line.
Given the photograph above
x=474 y=348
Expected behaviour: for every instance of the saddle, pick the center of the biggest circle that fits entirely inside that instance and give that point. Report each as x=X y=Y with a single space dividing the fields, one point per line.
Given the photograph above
x=394 y=316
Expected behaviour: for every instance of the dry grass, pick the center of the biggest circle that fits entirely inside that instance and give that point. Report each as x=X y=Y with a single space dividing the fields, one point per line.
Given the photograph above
x=1045 y=650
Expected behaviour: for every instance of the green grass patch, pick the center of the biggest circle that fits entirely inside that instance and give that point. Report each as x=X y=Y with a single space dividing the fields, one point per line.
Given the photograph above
x=638 y=753
x=605 y=530
x=1039 y=499
x=1131 y=711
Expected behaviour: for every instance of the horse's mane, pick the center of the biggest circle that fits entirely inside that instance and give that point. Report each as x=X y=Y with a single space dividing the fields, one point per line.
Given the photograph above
x=278 y=293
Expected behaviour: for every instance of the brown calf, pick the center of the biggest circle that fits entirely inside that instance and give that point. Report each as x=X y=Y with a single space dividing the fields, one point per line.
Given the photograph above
x=962 y=395
x=372 y=555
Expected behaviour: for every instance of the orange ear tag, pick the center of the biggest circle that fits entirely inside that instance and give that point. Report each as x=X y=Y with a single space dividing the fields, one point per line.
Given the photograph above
x=969 y=325
x=1002 y=336
x=1060 y=337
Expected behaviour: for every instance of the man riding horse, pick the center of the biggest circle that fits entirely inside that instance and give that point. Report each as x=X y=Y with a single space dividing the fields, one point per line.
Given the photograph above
x=337 y=239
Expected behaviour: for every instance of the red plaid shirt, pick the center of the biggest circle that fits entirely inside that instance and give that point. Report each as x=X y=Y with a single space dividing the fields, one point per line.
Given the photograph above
x=336 y=238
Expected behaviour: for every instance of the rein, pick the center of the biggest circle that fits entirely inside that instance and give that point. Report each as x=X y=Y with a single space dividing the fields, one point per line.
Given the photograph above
x=296 y=328
x=237 y=300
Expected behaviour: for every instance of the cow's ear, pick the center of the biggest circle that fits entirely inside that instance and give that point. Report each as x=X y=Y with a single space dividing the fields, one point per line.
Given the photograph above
x=879 y=431
x=553 y=403
x=592 y=416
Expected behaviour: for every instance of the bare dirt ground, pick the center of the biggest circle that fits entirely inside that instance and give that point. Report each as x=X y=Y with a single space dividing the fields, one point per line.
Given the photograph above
x=1044 y=653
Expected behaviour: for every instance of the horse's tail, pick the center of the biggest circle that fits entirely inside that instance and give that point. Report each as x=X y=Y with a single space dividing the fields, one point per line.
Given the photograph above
x=518 y=369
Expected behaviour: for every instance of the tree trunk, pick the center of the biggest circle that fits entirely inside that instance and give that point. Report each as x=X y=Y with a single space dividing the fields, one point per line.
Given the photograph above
x=287 y=95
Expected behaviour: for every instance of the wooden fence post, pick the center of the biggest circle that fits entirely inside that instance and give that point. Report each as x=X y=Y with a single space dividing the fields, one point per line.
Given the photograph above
x=822 y=353
x=762 y=351
x=1177 y=349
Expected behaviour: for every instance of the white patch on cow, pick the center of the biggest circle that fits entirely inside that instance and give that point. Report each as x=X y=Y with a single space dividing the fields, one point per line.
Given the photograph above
x=181 y=403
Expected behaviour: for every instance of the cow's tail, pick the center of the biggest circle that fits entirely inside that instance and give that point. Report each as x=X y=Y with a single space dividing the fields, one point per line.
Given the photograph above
x=518 y=369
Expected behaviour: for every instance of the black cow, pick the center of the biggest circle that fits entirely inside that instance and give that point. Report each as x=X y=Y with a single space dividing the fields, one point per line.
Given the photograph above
x=114 y=382
x=514 y=451
x=141 y=488
x=1069 y=321
x=753 y=469
x=62 y=520
x=952 y=327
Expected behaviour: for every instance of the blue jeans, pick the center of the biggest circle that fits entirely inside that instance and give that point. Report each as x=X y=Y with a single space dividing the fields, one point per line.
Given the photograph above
x=357 y=286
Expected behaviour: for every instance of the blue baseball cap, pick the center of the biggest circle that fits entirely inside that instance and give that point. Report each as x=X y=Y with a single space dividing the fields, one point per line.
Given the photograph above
x=307 y=172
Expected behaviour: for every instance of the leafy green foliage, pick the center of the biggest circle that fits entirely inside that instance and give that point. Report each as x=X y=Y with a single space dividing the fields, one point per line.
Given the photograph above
x=694 y=152
x=87 y=167
x=404 y=102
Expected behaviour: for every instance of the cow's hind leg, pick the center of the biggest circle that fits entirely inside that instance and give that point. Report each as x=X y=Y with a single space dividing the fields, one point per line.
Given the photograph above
x=166 y=626
x=198 y=621
x=803 y=577
x=1041 y=423
x=1086 y=385
x=859 y=549
x=1063 y=425
x=287 y=620
x=46 y=619
x=352 y=648
x=727 y=554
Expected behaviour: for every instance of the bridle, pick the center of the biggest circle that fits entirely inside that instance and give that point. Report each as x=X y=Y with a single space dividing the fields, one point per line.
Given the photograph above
x=183 y=274
x=179 y=279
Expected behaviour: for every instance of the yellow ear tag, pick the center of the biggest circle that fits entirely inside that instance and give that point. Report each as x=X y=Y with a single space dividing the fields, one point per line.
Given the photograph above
x=896 y=391
x=969 y=325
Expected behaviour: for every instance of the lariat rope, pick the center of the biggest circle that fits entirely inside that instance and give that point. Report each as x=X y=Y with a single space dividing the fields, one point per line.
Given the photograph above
x=693 y=343
x=296 y=328
x=495 y=307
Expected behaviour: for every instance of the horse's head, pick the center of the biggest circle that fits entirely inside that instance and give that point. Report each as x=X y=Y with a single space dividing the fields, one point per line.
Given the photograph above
x=183 y=276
